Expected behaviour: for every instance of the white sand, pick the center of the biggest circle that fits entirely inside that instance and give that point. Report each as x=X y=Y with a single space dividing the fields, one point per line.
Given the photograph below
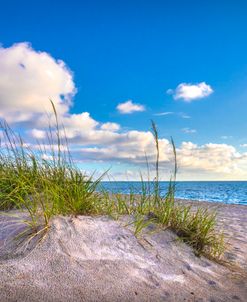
x=98 y=259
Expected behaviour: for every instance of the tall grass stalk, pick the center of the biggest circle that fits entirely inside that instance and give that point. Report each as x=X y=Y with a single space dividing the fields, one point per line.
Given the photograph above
x=44 y=187
x=156 y=181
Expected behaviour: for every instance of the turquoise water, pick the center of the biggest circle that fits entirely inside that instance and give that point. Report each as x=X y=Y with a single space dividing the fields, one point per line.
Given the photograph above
x=234 y=192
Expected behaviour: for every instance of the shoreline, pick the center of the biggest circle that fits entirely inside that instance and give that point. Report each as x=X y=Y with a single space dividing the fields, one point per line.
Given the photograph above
x=210 y=204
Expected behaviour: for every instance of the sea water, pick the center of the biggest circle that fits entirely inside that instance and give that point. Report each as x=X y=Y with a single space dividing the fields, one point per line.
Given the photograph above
x=232 y=192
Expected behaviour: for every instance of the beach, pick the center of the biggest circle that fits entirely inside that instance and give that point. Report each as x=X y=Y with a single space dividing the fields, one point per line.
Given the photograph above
x=97 y=258
x=233 y=220
x=123 y=151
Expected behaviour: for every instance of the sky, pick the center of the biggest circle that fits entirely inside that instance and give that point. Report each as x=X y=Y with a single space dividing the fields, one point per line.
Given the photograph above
x=112 y=66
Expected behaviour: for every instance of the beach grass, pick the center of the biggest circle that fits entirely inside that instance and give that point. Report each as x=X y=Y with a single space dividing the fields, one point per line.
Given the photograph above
x=46 y=183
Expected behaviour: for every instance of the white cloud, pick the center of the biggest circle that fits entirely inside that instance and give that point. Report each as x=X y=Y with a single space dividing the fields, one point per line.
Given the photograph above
x=180 y=114
x=129 y=107
x=28 y=79
x=190 y=92
x=37 y=133
x=221 y=159
x=164 y=113
x=186 y=116
x=209 y=161
x=110 y=126
x=188 y=130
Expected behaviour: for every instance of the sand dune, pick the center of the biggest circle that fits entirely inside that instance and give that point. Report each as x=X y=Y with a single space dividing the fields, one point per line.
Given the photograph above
x=99 y=259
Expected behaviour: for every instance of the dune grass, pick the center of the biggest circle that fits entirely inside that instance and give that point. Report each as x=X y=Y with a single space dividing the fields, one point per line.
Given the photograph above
x=47 y=183
x=43 y=187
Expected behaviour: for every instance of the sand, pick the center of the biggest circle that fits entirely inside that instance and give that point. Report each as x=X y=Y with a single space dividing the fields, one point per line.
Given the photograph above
x=99 y=259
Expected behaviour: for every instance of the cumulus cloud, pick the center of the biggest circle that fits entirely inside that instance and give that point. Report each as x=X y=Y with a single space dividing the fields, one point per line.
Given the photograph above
x=129 y=107
x=217 y=158
x=110 y=126
x=190 y=92
x=188 y=130
x=28 y=79
x=209 y=161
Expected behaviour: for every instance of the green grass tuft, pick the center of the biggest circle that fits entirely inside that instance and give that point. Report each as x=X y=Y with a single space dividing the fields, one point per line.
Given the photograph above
x=55 y=186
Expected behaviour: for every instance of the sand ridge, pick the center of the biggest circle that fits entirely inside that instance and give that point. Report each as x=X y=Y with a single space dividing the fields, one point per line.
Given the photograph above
x=99 y=259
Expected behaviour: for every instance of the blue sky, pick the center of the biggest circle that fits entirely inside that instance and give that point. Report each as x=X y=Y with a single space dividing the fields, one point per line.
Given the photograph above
x=117 y=51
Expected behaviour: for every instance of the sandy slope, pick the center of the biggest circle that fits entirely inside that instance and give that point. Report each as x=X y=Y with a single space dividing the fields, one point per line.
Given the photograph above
x=99 y=259
x=233 y=220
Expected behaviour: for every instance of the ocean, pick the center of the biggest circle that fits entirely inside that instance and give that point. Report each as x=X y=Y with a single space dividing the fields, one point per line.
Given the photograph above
x=230 y=192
